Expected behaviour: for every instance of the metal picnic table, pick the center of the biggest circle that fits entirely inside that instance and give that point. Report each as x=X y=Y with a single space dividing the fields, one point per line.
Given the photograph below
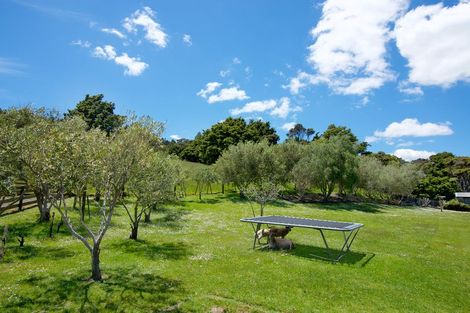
x=348 y=229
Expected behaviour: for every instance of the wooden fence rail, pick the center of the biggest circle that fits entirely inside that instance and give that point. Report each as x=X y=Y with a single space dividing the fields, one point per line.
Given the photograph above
x=23 y=200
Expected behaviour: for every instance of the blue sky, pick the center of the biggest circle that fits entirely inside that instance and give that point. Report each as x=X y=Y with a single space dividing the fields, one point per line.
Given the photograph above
x=396 y=72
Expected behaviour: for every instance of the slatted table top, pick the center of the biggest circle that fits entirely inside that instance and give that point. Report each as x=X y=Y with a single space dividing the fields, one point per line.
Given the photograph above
x=302 y=222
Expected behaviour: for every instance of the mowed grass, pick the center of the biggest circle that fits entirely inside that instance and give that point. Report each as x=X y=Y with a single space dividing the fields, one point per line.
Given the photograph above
x=197 y=255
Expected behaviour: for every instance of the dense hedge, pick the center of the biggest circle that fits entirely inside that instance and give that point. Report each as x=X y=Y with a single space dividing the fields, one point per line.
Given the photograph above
x=455 y=205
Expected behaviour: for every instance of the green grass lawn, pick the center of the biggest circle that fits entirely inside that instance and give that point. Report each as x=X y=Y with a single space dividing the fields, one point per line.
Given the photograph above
x=198 y=255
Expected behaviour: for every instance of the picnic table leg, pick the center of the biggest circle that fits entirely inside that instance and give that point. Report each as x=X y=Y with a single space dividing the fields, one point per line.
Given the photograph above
x=326 y=244
x=258 y=226
x=347 y=244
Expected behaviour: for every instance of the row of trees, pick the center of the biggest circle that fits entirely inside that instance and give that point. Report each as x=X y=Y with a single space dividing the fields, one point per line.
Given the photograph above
x=260 y=170
x=62 y=158
x=209 y=145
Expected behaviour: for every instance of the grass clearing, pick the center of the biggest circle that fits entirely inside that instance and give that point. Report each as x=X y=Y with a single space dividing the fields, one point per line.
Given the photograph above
x=197 y=255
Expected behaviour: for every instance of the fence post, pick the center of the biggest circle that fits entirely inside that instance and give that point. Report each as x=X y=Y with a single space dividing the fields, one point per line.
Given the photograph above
x=3 y=245
x=20 y=203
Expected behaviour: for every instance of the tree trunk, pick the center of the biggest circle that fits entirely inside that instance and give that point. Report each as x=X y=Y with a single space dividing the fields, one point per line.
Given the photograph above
x=59 y=225
x=51 y=226
x=134 y=231
x=21 y=240
x=20 y=204
x=147 y=216
x=38 y=201
x=82 y=209
x=97 y=195
x=223 y=188
x=45 y=212
x=95 y=264
x=88 y=207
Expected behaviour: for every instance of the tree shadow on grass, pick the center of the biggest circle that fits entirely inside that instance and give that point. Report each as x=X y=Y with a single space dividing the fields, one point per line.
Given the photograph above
x=203 y=201
x=26 y=252
x=349 y=206
x=169 y=217
x=29 y=229
x=237 y=198
x=323 y=254
x=123 y=290
x=168 y=251
x=279 y=203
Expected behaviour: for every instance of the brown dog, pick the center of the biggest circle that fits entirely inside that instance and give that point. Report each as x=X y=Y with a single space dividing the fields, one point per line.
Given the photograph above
x=273 y=231
x=279 y=232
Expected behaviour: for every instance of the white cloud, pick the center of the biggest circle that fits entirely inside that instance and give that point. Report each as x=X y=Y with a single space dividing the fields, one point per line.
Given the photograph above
x=255 y=106
x=411 y=127
x=210 y=88
x=279 y=108
x=410 y=154
x=406 y=144
x=349 y=52
x=8 y=66
x=81 y=43
x=226 y=94
x=284 y=108
x=407 y=88
x=236 y=60
x=247 y=70
x=134 y=67
x=288 y=126
x=188 y=40
x=107 y=52
x=224 y=73
x=175 y=137
x=302 y=80
x=144 y=18
x=113 y=31
x=436 y=42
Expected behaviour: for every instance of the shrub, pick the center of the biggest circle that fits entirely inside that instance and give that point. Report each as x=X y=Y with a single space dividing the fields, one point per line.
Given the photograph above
x=455 y=205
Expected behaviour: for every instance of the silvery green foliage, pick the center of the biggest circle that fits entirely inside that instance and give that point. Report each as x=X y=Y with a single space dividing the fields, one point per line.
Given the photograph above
x=261 y=192
x=386 y=181
x=250 y=163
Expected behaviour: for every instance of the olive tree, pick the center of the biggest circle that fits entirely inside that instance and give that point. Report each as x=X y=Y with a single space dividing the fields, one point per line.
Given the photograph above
x=369 y=172
x=289 y=154
x=302 y=177
x=255 y=169
x=110 y=164
x=168 y=175
x=151 y=183
x=7 y=169
x=140 y=135
x=38 y=149
x=29 y=140
x=348 y=164
x=331 y=163
x=399 y=181
x=204 y=178
x=387 y=181
x=102 y=164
